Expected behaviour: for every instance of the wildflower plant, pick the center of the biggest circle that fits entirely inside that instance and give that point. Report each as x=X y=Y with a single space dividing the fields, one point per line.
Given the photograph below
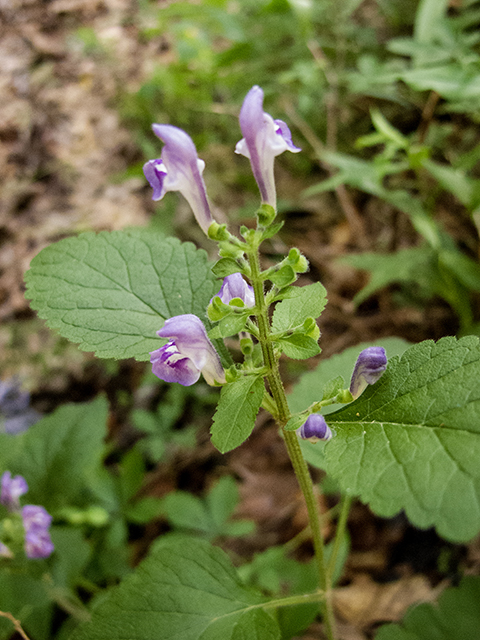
x=408 y=437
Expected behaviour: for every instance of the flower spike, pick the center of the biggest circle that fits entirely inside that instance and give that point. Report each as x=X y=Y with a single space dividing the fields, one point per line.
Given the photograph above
x=314 y=429
x=179 y=169
x=263 y=139
x=370 y=366
x=188 y=353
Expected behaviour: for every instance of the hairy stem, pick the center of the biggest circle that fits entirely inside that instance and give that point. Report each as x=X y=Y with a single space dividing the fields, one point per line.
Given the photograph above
x=291 y=440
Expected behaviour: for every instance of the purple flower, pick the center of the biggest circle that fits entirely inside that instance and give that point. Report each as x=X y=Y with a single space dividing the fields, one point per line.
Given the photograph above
x=179 y=169
x=315 y=428
x=188 y=353
x=370 y=366
x=5 y=551
x=263 y=139
x=234 y=286
x=12 y=489
x=36 y=522
x=17 y=415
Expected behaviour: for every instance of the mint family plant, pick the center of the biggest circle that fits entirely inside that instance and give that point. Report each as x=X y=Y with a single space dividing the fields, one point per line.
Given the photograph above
x=407 y=439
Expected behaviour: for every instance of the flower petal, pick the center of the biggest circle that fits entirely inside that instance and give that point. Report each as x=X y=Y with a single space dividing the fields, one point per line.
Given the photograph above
x=179 y=169
x=190 y=338
x=263 y=139
x=370 y=366
x=234 y=286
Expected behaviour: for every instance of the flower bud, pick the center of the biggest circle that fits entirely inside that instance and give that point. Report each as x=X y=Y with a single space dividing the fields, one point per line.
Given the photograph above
x=234 y=286
x=314 y=429
x=218 y=232
x=370 y=366
x=266 y=215
x=298 y=262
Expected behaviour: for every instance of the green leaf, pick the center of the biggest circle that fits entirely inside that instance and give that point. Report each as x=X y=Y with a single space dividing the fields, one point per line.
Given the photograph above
x=462 y=267
x=186 y=511
x=333 y=387
x=298 y=304
x=412 y=440
x=57 y=457
x=299 y=347
x=185 y=589
x=314 y=385
x=27 y=599
x=455 y=617
x=225 y=267
x=237 y=409
x=284 y=276
x=229 y=326
x=453 y=180
x=406 y=265
x=112 y=291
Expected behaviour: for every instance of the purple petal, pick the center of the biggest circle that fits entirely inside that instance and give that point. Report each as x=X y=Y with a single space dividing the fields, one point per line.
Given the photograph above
x=35 y=517
x=179 y=169
x=190 y=339
x=370 y=366
x=315 y=428
x=263 y=139
x=12 y=399
x=155 y=173
x=281 y=129
x=168 y=364
x=234 y=286
x=38 y=544
x=11 y=490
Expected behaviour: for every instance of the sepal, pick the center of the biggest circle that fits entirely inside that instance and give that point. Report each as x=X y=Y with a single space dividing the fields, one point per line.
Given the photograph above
x=266 y=214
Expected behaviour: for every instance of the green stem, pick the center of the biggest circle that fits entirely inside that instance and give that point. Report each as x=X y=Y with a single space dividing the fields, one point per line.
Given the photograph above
x=291 y=439
x=339 y=535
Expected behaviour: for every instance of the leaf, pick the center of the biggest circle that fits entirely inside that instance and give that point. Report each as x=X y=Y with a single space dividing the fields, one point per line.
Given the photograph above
x=455 y=617
x=229 y=326
x=225 y=267
x=185 y=589
x=314 y=385
x=187 y=511
x=298 y=304
x=406 y=265
x=26 y=598
x=333 y=387
x=110 y=292
x=58 y=456
x=464 y=268
x=237 y=409
x=453 y=180
x=299 y=347
x=412 y=440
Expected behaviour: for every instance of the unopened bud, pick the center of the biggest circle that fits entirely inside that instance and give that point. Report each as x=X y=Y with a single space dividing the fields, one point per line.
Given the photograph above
x=315 y=428
x=370 y=366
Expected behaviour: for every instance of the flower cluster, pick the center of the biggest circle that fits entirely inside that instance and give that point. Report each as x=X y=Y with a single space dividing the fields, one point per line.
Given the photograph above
x=180 y=169
x=189 y=352
x=36 y=520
